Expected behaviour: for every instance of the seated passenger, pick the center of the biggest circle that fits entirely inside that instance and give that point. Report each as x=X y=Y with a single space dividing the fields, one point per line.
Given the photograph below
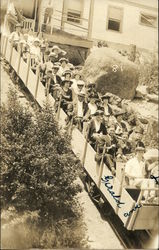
x=136 y=136
x=125 y=148
x=119 y=127
x=63 y=67
x=97 y=130
x=105 y=101
x=56 y=78
x=80 y=110
x=92 y=105
x=58 y=53
x=16 y=36
x=48 y=82
x=136 y=172
x=66 y=94
x=67 y=75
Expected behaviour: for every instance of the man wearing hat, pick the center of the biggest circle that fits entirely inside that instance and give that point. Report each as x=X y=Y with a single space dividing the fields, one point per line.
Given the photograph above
x=80 y=110
x=50 y=63
x=92 y=105
x=64 y=66
x=48 y=82
x=35 y=53
x=105 y=102
x=58 y=53
x=97 y=128
x=16 y=35
x=56 y=78
x=119 y=116
x=136 y=171
x=66 y=94
x=135 y=167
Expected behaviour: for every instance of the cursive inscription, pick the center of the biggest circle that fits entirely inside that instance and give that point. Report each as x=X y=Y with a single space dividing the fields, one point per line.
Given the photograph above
x=155 y=178
x=109 y=188
x=131 y=211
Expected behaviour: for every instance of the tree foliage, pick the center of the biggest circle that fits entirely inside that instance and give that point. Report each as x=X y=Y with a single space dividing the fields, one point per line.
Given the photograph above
x=38 y=167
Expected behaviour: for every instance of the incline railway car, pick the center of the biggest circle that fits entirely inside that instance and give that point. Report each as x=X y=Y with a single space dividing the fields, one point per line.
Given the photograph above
x=126 y=201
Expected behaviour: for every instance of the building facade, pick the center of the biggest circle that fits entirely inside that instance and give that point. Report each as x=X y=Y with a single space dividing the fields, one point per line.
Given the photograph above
x=116 y=21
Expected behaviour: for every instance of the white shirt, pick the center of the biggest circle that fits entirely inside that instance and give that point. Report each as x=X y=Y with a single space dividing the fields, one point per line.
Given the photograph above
x=97 y=125
x=79 y=109
x=135 y=168
x=92 y=107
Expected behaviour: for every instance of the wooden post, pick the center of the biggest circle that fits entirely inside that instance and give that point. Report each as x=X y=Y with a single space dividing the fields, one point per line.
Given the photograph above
x=35 y=15
x=59 y=107
x=19 y=60
x=90 y=20
x=11 y=53
x=5 y=48
x=120 y=190
x=63 y=16
x=134 y=215
x=2 y=44
x=101 y=166
x=28 y=69
x=37 y=81
x=85 y=146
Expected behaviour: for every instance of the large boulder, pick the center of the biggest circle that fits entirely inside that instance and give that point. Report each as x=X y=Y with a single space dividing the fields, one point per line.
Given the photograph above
x=111 y=72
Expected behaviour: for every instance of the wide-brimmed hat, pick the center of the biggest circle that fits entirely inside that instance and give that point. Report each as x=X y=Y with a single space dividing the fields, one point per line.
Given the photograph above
x=36 y=40
x=49 y=70
x=80 y=83
x=106 y=96
x=98 y=112
x=140 y=146
x=67 y=72
x=90 y=84
x=52 y=54
x=56 y=47
x=63 y=59
x=81 y=94
x=66 y=81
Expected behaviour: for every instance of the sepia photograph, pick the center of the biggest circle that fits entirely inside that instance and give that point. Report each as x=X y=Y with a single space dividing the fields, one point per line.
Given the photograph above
x=79 y=124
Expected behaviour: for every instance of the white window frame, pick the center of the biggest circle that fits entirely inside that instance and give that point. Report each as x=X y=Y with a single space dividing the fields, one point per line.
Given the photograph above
x=148 y=14
x=109 y=18
x=74 y=11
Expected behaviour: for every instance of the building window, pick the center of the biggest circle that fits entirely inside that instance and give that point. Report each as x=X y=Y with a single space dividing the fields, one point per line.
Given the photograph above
x=115 y=17
x=148 y=20
x=73 y=16
x=74 y=9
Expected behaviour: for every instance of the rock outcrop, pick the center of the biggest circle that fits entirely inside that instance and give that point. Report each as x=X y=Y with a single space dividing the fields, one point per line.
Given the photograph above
x=111 y=72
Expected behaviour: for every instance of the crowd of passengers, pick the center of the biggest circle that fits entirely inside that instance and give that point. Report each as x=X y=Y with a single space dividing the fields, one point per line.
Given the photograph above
x=103 y=119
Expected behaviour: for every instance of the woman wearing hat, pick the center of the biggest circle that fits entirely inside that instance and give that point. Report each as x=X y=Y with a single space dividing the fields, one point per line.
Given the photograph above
x=105 y=102
x=64 y=66
x=66 y=94
x=35 y=53
x=78 y=84
x=67 y=74
x=58 y=53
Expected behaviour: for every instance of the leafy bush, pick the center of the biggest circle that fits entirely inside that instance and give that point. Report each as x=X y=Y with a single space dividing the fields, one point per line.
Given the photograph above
x=149 y=72
x=38 y=167
x=111 y=72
